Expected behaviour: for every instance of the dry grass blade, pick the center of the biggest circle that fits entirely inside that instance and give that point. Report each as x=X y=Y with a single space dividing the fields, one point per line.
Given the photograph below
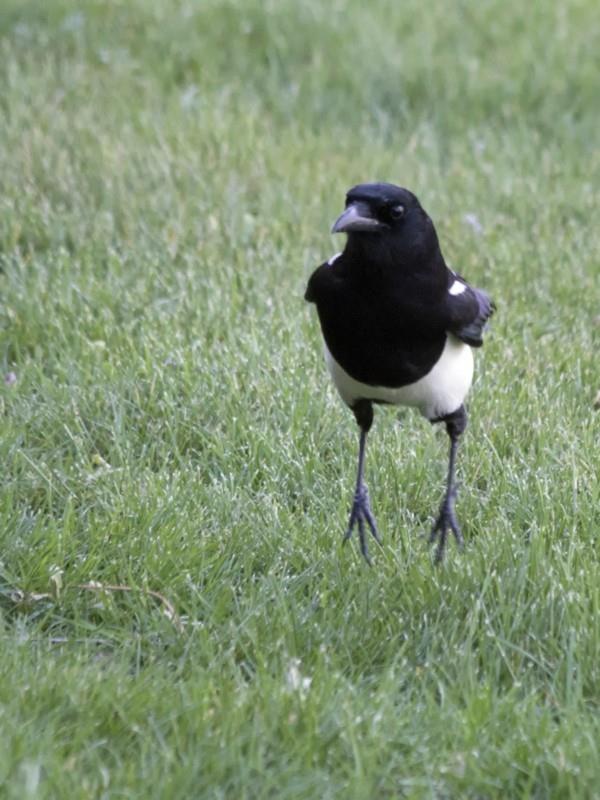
x=168 y=608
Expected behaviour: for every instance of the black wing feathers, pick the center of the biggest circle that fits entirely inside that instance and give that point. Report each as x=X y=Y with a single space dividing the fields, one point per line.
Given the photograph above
x=468 y=314
x=309 y=294
x=320 y=277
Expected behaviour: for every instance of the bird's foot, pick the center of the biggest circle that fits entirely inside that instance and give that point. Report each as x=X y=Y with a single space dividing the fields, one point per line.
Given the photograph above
x=361 y=513
x=446 y=521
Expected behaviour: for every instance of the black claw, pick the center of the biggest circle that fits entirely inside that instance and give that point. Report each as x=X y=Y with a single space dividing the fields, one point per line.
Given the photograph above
x=363 y=541
x=441 y=548
x=446 y=521
x=361 y=513
x=372 y=524
x=454 y=526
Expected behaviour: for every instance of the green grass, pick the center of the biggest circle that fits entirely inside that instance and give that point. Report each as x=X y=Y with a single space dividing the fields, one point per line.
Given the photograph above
x=168 y=175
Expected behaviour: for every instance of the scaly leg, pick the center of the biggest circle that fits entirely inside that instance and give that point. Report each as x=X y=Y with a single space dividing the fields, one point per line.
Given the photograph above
x=361 y=507
x=455 y=425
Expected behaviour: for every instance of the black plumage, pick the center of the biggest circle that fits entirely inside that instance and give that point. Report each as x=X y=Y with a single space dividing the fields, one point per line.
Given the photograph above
x=398 y=325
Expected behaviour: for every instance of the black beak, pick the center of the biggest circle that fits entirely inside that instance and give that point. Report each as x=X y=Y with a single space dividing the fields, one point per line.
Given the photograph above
x=357 y=217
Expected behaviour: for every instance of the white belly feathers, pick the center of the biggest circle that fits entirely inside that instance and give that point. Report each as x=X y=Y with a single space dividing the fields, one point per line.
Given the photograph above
x=441 y=391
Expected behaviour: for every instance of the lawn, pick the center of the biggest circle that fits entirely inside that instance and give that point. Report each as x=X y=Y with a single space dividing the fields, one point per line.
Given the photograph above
x=169 y=172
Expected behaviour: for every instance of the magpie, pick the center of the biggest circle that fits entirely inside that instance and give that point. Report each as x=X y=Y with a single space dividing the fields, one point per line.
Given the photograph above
x=399 y=326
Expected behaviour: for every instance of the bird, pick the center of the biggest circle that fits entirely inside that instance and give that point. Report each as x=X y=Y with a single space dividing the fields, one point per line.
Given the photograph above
x=399 y=328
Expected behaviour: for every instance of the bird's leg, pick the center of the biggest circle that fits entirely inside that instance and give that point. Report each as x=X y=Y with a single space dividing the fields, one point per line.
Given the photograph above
x=361 y=508
x=455 y=425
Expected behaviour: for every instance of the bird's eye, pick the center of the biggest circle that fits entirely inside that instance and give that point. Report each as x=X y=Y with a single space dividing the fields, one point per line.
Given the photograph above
x=397 y=211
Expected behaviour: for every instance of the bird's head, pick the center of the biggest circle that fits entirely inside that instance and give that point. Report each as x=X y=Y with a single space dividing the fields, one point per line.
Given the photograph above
x=384 y=221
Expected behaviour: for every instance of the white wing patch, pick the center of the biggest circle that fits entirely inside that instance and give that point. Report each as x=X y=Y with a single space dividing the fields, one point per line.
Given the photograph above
x=457 y=288
x=333 y=259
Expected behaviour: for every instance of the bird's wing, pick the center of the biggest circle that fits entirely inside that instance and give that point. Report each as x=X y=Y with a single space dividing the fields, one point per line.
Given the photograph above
x=467 y=311
x=322 y=281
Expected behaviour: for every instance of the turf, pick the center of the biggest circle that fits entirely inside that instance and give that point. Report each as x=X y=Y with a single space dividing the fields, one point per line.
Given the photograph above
x=168 y=175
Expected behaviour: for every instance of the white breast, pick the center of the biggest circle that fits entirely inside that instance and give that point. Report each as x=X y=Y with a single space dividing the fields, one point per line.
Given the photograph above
x=441 y=391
